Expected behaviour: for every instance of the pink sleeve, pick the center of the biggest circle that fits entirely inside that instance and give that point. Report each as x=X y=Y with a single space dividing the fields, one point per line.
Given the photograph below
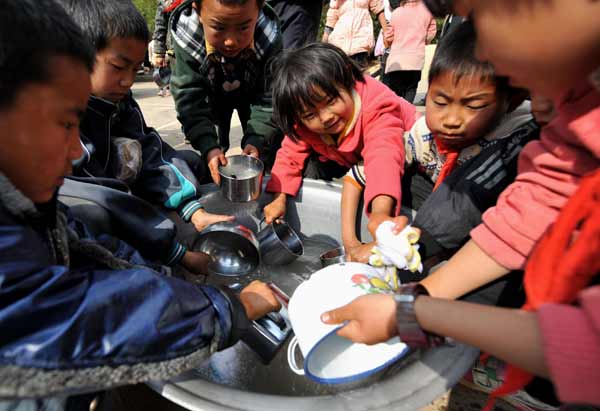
x=286 y=175
x=383 y=150
x=333 y=14
x=571 y=343
x=549 y=173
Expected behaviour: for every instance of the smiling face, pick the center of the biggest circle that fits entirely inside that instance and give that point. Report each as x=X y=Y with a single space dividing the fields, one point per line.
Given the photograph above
x=41 y=130
x=228 y=27
x=546 y=46
x=116 y=67
x=460 y=112
x=330 y=114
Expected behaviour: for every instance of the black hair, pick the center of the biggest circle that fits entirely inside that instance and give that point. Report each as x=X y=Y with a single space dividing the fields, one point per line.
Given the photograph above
x=259 y=3
x=301 y=75
x=439 y=8
x=104 y=20
x=456 y=54
x=32 y=32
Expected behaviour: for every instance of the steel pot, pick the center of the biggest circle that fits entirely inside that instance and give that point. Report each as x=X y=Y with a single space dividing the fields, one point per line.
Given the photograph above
x=241 y=178
x=279 y=244
x=232 y=247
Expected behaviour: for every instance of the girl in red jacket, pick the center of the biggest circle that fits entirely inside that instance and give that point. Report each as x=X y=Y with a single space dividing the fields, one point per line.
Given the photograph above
x=326 y=107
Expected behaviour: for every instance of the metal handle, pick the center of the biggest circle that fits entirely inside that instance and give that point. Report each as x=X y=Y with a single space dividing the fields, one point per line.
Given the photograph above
x=291 y=357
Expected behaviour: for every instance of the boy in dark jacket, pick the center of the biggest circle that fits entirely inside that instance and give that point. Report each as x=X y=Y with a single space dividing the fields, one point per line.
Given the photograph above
x=117 y=142
x=222 y=49
x=79 y=313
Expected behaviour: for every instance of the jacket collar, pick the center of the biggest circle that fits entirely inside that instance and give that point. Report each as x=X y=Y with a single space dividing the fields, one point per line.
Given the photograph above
x=107 y=108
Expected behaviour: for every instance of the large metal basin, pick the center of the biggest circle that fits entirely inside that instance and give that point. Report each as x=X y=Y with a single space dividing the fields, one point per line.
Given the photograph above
x=235 y=379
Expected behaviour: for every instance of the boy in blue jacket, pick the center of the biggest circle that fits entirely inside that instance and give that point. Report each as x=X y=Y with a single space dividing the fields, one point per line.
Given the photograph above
x=75 y=309
x=117 y=142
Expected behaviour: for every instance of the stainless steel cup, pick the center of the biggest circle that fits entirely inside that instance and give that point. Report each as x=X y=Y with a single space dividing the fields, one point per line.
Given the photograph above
x=241 y=178
x=279 y=244
x=333 y=256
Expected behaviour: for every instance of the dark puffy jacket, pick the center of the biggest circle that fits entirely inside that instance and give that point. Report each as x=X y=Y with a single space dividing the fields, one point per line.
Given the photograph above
x=80 y=313
x=455 y=208
x=164 y=179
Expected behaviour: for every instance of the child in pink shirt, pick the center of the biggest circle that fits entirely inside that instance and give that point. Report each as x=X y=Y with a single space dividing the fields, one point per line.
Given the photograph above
x=413 y=26
x=325 y=105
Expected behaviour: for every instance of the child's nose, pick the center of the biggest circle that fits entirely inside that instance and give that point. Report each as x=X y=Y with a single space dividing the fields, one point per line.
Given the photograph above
x=127 y=80
x=230 y=41
x=325 y=116
x=75 y=149
x=452 y=119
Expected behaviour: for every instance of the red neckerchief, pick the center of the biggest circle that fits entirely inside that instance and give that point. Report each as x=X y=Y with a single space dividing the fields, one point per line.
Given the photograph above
x=451 y=154
x=560 y=266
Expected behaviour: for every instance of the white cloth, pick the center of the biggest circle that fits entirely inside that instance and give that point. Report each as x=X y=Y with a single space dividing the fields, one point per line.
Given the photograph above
x=400 y=250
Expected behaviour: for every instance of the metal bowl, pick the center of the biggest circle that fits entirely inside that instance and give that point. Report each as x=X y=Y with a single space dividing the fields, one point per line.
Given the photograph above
x=241 y=178
x=232 y=247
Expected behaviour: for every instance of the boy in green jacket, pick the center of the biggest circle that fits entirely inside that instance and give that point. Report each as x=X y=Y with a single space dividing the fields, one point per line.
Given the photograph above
x=222 y=49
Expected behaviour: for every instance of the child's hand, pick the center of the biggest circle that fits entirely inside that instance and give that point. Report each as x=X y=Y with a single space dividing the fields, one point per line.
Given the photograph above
x=388 y=37
x=375 y=219
x=202 y=219
x=196 y=262
x=214 y=159
x=258 y=299
x=360 y=253
x=250 y=150
x=371 y=319
x=401 y=222
x=275 y=209
x=159 y=60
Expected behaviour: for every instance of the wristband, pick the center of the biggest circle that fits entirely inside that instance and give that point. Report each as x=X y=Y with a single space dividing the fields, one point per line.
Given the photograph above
x=409 y=330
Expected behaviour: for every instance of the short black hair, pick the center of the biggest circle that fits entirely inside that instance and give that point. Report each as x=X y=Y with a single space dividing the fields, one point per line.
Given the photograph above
x=32 y=32
x=299 y=75
x=456 y=54
x=104 y=20
x=259 y=3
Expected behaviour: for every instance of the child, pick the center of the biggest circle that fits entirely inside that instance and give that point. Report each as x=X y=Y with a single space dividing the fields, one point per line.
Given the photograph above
x=74 y=315
x=469 y=111
x=349 y=26
x=324 y=104
x=557 y=334
x=118 y=143
x=221 y=48
x=414 y=27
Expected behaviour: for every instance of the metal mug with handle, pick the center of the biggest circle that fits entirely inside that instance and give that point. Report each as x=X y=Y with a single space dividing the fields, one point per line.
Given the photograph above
x=279 y=244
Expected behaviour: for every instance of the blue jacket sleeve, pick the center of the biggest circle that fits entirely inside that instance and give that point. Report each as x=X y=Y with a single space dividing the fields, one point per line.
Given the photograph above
x=86 y=328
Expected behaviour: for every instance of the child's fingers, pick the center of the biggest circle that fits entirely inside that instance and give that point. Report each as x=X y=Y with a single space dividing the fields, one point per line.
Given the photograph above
x=351 y=331
x=337 y=316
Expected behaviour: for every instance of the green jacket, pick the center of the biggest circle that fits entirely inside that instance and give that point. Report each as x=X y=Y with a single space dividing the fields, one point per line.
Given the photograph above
x=197 y=81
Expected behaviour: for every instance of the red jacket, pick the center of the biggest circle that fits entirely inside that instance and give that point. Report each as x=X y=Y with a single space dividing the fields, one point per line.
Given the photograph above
x=377 y=138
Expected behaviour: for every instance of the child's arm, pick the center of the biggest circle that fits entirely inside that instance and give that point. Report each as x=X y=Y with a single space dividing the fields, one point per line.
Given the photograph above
x=355 y=250
x=276 y=208
x=351 y=192
x=511 y=335
x=333 y=15
x=431 y=31
x=467 y=270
